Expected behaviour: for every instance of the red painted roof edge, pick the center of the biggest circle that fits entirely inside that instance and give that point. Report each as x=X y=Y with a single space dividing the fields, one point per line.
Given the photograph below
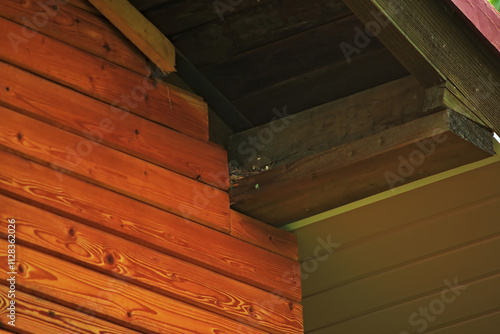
x=483 y=16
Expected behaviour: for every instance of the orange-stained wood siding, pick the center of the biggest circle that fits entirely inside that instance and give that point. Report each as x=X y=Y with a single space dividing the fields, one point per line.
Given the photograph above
x=106 y=81
x=122 y=214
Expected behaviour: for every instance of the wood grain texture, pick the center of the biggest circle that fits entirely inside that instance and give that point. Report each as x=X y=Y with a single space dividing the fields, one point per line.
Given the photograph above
x=249 y=26
x=149 y=226
x=102 y=123
x=86 y=6
x=112 y=299
x=151 y=41
x=114 y=170
x=271 y=64
x=78 y=28
x=355 y=170
x=484 y=17
x=150 y=269
x=36 y=315
x=263 y=235
x=99 y=78
x=429 y=38
x=328 y=125
x=307 y=90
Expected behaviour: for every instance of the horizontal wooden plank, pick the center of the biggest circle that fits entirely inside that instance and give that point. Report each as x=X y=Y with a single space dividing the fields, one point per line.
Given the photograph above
x=328 y=125
x=247 y=29
x=114 y=170
x=416 y=35
x=133 y=220
x=75 y=27
x=96 y=77
x=483 y=16
x=263 y=235
x=36 y=315
x=375 y=65
x=391 y=287
x=359 y=169
x=150 y=269
x=281 y=61
x=488 y=324
x=479 y=297
x=86 y=6
x=110 y=298
x=113 y=127
x=414 y=242
x=151 y=41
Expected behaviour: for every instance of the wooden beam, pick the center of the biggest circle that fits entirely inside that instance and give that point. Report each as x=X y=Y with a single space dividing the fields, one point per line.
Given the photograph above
x=362 y=168
x=140 y=31
x=436 y=45
x=318 y=129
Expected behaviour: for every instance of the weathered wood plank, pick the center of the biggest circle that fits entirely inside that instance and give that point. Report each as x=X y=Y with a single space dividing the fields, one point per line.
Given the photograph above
x=36 y=315
x=151 y=41
x=376 y=67
x=102 y=123
x=326 y=126
x=149 y=226
x=358 y=169
x=284 y=59
x=442 y=97
x=263 y=235
x=151 y=269
x=249 y=28
x=429 y=38
x=114 y=170
x=75 y=27
x=165 y=104
x=110 y=298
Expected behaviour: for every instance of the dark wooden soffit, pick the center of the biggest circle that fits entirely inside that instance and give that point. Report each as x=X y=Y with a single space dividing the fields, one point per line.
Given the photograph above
x=350 y=149
x=432 y=40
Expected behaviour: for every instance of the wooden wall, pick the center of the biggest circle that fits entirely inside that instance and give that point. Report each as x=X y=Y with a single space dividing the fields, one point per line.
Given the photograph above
x=425 y=261
x=122 y=213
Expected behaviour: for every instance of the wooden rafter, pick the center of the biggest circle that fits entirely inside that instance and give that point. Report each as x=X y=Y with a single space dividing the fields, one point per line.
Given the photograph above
x=140 y=31
x=433 y=42
x=361 y=168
